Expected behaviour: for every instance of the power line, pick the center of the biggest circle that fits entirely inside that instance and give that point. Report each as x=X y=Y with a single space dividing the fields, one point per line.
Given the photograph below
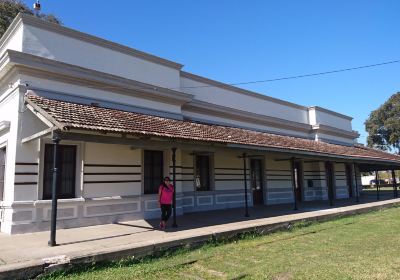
x=305 y=75
x=151 y=87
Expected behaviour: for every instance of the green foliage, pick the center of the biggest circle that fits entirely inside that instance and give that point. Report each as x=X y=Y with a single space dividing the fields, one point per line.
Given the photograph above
x=9 y=9
x=383 y=125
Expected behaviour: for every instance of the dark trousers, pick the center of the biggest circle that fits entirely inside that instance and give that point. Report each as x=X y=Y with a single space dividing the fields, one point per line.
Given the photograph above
x=165 y=212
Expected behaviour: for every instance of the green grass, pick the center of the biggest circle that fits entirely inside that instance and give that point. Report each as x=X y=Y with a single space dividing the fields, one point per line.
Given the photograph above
x=358 y=247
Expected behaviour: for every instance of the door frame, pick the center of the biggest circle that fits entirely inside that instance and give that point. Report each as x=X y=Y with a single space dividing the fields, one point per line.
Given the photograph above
x=299 y=175
x=262 y=181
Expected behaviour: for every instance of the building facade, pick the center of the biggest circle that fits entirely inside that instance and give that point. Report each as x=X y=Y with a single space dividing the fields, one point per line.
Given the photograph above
x=122 y=115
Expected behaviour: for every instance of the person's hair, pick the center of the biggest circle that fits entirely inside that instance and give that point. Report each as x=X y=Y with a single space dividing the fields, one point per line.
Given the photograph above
x=163 y=182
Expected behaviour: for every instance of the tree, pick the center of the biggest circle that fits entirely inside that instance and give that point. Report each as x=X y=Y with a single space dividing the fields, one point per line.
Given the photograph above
x=383 y=125
x=9 y=9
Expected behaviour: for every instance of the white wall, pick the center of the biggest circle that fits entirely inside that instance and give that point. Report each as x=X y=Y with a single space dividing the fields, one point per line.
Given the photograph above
x=279 y=181
x=314 y=171
x=317 y=116
x=228 y=171
x=226 y=121
x=77 y=52
x=334 y=139
x=9 y=108
x=117 y=155
x=341 y=187
x=187 y=171
x=102 y=95
x=14 y=42
x=236 y=100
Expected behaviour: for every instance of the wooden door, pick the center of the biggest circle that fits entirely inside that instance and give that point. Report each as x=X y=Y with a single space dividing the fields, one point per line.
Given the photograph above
x=256 y=176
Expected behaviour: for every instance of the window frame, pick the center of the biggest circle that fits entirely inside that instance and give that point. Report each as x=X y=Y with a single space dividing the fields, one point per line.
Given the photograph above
x=67 y=195
x=80 y=148
x=210 y=172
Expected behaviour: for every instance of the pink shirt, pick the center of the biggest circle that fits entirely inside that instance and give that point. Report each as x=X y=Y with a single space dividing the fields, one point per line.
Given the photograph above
x=166 y=194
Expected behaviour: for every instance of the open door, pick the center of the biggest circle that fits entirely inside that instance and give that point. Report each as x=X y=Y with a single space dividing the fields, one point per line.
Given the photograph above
x=256 y=176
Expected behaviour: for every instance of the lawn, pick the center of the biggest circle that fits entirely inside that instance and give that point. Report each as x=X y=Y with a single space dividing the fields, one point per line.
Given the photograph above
x=359 y=247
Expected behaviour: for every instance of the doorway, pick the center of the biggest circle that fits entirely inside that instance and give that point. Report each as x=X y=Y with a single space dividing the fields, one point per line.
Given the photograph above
x=256 y=177
x=298 y=174
x=330 y=180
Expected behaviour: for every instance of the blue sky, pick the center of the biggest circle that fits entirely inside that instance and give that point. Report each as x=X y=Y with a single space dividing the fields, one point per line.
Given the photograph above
x=237 y=41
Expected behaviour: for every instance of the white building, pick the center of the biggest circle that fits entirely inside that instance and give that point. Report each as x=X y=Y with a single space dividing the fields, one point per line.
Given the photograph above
x=120 y=113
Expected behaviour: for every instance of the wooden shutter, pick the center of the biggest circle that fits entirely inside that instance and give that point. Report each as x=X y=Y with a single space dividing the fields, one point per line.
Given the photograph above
x=153 y=171
x=66 y=163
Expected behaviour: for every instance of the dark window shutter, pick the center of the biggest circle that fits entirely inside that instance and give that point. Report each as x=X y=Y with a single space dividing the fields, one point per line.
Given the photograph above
x=66 y=164
x=153 y=171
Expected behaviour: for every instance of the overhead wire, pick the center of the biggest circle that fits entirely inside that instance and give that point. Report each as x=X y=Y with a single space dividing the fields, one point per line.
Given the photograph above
x=151 y=87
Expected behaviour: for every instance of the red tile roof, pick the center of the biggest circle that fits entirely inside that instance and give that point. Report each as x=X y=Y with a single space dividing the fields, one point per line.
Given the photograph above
x=68 y=115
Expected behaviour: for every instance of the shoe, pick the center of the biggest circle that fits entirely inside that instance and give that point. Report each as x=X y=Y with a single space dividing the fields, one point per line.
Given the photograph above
x=161 y=225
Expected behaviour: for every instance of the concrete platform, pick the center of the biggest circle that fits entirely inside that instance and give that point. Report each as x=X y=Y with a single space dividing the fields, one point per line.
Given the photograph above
x=27 y=255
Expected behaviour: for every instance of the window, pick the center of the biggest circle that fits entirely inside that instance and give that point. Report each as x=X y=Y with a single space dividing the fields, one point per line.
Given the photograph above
x=2 y=170
x=153 y=171
x=66 y=164
x=202 y=176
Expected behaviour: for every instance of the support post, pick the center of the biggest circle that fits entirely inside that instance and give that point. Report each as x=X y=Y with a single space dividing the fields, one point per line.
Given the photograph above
x=245 y=185
x=395 y=194
x=53 y=225
x=377 y=185
x=356 y=184
x=292 y=162
x=174 y=224
x=329 y=181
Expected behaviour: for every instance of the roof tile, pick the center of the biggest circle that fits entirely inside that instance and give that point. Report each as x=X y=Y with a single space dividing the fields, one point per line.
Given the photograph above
x=73 y=115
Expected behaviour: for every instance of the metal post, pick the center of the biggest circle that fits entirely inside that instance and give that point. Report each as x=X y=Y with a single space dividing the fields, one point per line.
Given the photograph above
x=245 y=185
x=53 y=226
x=174 y=224
x=356 y=183
x=377 y=185
x=294 y=182
x=395 y=194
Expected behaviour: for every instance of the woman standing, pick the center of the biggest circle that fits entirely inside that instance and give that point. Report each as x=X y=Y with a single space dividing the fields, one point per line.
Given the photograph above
x=165 y=196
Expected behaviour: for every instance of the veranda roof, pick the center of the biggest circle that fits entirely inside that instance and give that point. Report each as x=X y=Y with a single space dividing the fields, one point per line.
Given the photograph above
x=67 y=115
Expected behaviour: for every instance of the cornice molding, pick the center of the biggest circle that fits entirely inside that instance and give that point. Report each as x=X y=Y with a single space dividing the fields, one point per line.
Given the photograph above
x=240 y=90
x=15 y=24
x=326 y=129
x=33 y=65
x=4 y=125
x=317 y=108
x=202 y=107
x=52 y=27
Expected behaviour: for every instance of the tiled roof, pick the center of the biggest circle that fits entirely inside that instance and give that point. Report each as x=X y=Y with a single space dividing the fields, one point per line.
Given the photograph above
x=68 y=115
